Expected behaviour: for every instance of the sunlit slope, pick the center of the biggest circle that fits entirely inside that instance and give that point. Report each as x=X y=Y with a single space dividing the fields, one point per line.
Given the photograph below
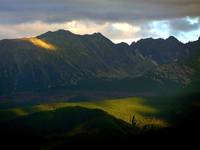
x=124 y=109
x=40 y=43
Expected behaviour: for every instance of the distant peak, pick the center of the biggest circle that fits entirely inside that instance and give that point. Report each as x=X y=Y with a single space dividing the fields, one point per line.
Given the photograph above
x=97 y=34
x=58 y=32
x=123 y=44
x=63 y=31
x=133 y=43
x=67 y=32
x=172 y=38
x=145 y=39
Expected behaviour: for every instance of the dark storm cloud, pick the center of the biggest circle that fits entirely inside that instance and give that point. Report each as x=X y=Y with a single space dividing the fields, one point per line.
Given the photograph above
x=16 y=11
x=184 y=25
x=120 y=20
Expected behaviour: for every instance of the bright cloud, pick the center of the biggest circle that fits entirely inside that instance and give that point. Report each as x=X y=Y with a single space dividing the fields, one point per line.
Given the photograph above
x=117 y=32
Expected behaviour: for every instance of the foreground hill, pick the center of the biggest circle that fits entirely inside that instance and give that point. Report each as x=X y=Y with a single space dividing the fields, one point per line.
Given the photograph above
x=54 y=128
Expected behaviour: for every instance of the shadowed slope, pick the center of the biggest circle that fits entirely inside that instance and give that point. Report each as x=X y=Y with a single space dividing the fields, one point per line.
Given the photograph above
x=59 y=125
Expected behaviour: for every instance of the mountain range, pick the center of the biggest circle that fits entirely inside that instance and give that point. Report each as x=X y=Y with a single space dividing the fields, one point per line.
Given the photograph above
x=63 y=59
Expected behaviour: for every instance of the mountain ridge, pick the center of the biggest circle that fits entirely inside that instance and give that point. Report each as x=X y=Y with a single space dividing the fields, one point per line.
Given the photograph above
x=62 y=58
x=99 y=33
x=27 y=66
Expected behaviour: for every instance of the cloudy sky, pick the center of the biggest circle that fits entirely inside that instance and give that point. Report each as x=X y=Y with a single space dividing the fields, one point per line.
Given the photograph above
x=119 y=20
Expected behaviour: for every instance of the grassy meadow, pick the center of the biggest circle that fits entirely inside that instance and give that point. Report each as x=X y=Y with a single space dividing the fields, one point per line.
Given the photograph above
x=144 y=112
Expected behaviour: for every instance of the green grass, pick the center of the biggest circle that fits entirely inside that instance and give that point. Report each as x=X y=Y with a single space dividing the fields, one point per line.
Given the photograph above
x=124 y=109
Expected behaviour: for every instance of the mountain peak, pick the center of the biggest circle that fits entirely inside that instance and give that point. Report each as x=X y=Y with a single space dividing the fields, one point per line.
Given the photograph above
x=63 y=31
x=67 y=32
x=172 y=38
x=146 y=39
x=123 y=45
x=97 y=34
x=58 y=32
